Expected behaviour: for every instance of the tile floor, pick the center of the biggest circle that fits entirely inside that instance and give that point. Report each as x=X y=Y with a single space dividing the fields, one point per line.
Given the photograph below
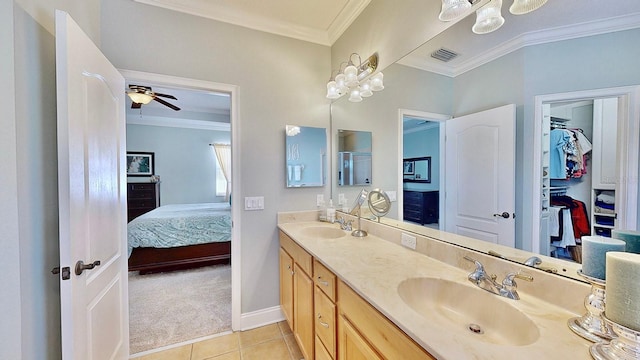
x=273 y=342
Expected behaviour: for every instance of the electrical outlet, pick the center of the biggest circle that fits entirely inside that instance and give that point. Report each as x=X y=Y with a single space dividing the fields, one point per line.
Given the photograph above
x=408 y=241
x=392 y=196
x=319 y=199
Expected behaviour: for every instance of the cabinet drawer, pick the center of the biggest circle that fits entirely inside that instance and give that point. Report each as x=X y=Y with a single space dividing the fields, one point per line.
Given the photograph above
x=412 y=196
x=321 y=352
x=141 y=204
x=325 y=321
x=324 y=279
x=379 y=331
x=141 y=194
x=141 y=186
x=299 y=255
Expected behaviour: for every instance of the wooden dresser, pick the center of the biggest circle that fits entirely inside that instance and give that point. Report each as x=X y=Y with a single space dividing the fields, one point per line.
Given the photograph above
x=421 y=207
x=142 y=198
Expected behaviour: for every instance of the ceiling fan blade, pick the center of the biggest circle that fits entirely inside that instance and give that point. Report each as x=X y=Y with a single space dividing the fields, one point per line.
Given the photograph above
x=166 y=104
x=165 y=95
x=135 y=105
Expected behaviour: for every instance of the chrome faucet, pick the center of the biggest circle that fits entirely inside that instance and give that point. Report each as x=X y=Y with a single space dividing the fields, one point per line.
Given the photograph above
x=487 y=282
x=344 y=224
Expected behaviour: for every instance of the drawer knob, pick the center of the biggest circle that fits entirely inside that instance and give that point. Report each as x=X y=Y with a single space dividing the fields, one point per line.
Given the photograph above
x=321 y=322
x=322 y=282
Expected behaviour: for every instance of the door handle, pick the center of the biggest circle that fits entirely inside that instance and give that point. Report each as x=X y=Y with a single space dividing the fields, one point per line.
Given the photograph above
x=81 y=266
x=503 y=215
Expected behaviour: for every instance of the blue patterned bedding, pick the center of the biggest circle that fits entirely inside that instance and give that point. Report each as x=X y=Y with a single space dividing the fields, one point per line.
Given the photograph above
x=180 y=225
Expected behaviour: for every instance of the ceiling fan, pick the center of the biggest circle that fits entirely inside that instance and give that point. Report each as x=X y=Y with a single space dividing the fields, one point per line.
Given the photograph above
x=142 y=95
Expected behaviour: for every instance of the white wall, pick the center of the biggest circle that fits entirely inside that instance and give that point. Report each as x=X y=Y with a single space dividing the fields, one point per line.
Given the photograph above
x=10 y=331
x=183 y=159
x=276 y=78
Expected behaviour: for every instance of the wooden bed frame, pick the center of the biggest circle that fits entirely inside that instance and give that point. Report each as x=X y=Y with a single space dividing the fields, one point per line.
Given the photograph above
x=149 y=260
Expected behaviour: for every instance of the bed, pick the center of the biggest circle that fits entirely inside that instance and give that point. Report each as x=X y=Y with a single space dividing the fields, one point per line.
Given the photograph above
x=180 y=236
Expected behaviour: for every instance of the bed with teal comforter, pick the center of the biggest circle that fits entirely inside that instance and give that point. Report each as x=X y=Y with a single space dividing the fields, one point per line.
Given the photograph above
x=180 y=225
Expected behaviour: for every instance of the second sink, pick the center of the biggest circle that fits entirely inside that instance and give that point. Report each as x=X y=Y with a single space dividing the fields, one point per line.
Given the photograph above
x=480 y=314
x=323 y=232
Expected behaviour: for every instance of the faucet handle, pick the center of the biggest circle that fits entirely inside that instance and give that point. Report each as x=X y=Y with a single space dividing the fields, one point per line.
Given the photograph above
x=479 y=266
x=509 y=279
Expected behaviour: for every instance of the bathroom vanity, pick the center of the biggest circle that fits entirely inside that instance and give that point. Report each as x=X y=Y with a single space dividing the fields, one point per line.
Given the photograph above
x=352 y=298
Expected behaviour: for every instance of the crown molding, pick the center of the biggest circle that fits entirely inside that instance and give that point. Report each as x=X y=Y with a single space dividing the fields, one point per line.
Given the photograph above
x=222 y=13
x=598 y=27
x=179 y=123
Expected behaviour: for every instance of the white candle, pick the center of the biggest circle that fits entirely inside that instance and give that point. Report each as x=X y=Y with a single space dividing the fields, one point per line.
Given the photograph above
x=632 y=238
x=594 y=249
x=622 y=302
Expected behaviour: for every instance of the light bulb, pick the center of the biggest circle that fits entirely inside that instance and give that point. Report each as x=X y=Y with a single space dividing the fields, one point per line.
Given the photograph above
x=365 y=89
x=377 y=83
x=488 y=18
x=351 y=76
x=332 y=90
x=520 y=7
x=452 y=9
x=355 y=95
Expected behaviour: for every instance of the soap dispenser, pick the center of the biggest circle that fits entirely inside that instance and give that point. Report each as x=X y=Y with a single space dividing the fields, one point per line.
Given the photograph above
x=322 y=211
x=331 y=212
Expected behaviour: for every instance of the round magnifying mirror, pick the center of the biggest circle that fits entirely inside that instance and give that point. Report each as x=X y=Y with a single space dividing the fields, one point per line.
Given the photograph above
x=379 y=203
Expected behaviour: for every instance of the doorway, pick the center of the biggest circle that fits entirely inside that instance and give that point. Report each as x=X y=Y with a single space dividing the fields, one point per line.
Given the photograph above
x=621 y=173
x=203 y=130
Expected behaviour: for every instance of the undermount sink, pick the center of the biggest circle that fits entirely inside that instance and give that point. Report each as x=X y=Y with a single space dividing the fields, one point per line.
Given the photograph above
x=323 y=232
x=482 y=315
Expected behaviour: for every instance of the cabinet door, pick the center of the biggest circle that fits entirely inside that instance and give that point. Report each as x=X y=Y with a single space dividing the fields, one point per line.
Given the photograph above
x=286 y=286
x=352 y=345
x=303 y=326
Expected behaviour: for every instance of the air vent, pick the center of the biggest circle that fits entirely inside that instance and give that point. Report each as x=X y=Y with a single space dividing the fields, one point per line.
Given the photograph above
x=443 y=54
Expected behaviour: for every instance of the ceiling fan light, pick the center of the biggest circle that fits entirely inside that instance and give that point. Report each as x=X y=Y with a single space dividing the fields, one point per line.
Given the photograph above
x=452 y=9
x=520 y=7
x=488 y=18
x=140 y=98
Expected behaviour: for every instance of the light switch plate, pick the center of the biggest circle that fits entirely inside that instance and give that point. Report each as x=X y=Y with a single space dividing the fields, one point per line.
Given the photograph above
x=254 y=203
x=408 y=241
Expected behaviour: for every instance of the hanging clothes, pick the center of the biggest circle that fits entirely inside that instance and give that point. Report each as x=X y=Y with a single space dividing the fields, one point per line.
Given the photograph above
x=579 y=215
x=568 y=155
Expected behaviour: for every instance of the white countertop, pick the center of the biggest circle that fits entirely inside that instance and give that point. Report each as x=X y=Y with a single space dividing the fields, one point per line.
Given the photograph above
x=374 y=268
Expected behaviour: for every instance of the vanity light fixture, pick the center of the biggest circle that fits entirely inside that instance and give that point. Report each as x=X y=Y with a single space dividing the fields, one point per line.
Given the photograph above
x=488 y=17
x=355 y=79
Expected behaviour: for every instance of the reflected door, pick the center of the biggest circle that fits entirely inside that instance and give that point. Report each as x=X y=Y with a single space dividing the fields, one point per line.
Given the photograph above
x=480 y=175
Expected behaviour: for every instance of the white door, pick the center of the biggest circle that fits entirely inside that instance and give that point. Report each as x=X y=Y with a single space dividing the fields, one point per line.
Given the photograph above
x=92 y=197
x=480 y=175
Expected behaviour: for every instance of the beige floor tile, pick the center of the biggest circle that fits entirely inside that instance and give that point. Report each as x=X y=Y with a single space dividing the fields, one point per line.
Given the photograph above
x=212 y=347
x=228 y=356
x=272 y=350
x=259 y=335
x=284 y=327
x=294 y=349
x=179 y=353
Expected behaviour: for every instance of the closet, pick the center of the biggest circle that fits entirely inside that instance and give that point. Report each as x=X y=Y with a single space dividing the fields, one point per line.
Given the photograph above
x=578 y=173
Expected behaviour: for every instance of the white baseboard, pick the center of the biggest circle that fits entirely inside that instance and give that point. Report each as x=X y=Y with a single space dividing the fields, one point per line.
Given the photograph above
x=254 y=319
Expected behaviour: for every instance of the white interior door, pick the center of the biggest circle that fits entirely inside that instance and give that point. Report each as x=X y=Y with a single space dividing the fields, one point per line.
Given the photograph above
x=91 y=185
x=480 y=175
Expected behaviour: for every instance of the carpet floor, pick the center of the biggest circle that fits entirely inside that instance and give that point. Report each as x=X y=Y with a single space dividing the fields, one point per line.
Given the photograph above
x=168 y=308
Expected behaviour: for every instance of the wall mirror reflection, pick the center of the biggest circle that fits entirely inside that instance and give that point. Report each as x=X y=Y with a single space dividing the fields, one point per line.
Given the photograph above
x=501 y=68
x=354 y=157
x=306 y=154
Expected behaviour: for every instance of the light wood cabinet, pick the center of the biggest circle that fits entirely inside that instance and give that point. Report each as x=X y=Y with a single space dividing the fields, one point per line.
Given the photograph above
x=357 y=315
x=352 y=345
x=297 y=299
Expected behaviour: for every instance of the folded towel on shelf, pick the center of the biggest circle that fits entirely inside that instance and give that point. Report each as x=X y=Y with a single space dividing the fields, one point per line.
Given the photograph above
x=607 y=197
x=604 y=205
x=601 y=210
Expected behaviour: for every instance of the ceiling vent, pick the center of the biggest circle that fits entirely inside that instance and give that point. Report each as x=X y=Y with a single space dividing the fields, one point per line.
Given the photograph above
x=443 y=54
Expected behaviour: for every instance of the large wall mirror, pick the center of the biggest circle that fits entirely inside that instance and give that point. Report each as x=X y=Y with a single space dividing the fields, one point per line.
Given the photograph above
x=306 y=154
x=553 y=50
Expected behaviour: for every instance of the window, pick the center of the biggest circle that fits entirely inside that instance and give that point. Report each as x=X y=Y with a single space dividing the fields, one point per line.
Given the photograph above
x=221 y=182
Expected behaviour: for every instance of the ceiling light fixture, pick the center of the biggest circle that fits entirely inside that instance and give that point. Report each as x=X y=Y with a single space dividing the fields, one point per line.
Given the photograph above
x=488 y=17
x=140 y=98
x=356 y=80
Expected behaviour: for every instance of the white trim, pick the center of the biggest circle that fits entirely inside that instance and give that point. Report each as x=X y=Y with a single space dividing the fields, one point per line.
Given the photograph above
x=236 y=204
x=431 y=117
x=179 y=123
x=258 y=318
x=568 y=32
x=628 y=144
x=173 y=346
x=230 y=15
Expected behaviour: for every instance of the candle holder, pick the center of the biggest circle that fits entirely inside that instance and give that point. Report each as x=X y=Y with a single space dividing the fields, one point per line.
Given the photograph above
x=592 y=325
x=626 y=346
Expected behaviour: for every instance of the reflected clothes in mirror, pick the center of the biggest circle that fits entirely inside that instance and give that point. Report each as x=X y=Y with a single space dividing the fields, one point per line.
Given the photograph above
x=569 y=156
x=579 y=218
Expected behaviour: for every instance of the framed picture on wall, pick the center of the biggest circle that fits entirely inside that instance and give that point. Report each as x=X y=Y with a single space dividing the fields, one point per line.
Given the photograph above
x=408 y=167
x=140 y=163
